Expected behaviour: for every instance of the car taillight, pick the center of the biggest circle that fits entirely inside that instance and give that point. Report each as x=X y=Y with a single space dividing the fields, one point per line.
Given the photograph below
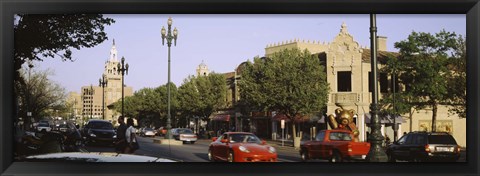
x=458 y=149
x=350 y=148
x=427 y=148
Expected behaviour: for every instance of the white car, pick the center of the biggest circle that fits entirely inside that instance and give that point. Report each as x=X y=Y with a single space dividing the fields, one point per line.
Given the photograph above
x=148 y=132
x=184 y=134
x=43 y=127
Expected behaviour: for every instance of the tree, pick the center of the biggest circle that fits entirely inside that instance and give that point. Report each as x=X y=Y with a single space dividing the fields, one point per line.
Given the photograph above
x=405 y=102
x=38 y=94
x=202 y=96
x=290 y=82
x=41 y=36
x=458 y=79
x=426 y=59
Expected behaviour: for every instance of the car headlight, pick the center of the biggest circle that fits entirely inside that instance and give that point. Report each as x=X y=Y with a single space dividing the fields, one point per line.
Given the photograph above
x=271 y=150
x=93 y=135
x=243 y=149
x=114 y=136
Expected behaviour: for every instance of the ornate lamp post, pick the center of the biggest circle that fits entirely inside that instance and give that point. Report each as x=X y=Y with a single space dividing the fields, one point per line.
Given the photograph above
x=103 y=82
x=122 y=68
x=169 y=38
x=395 y=128
x=376 y=153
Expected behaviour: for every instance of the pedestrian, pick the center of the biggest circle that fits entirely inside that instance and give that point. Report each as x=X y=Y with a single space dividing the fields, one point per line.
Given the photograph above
x=121 y=143
x=130 y=138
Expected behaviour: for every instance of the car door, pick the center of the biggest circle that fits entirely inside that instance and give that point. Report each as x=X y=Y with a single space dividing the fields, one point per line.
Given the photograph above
x=316 y=148
x=417 y=148
x=398 y=149
x=224 y=147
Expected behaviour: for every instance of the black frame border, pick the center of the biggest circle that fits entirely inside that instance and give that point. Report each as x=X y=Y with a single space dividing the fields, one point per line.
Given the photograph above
x=9 y=7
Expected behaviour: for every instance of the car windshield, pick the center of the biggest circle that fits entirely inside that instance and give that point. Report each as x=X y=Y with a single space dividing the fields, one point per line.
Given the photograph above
x=43 y=124
x=245 y=138
x=100 y=125
x=184 y=131
x=340 y=136
x=148 y=129
x=441 y=139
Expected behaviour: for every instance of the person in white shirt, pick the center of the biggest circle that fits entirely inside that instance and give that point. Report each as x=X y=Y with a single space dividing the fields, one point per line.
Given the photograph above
x=130 y=137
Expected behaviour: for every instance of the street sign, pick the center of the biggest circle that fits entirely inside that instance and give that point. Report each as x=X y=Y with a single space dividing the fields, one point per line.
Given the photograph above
x=282 y=122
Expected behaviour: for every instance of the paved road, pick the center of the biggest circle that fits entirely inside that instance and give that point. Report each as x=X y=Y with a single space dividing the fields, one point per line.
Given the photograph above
x=198 y=152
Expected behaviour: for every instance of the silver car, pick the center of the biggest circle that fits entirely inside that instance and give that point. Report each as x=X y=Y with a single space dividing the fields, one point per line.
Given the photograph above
x=184 y=134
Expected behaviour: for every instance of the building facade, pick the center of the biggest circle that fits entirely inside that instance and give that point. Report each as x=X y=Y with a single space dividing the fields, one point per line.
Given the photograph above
x=348 y=72
x=88 y=104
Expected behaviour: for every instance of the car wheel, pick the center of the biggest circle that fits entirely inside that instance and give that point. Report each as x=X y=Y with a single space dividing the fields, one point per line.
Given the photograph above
x=230 y=157
x=193 y=142
x=336 y=157
x=210 y=156
x=304 y=156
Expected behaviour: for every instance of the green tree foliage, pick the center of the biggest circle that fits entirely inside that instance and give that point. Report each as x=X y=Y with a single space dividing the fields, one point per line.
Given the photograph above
x=201 y=96
x=290 y=82
x=458 y=79
x=424 y=68
x=41 y=36
x=38 y=95
x=405 y=102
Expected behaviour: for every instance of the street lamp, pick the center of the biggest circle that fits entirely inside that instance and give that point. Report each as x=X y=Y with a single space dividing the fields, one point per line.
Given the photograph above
x=122 y=69
x=395 y=128
x=169 y=38
x=103 y=82
x=376 y=153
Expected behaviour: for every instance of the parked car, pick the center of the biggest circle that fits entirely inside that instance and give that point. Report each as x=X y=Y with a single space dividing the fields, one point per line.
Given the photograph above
x=43 y=126
x=334 y=145
x=99 y=131
x=184 y=134
x=424 y=146
x=148 y=132
x=240 y=147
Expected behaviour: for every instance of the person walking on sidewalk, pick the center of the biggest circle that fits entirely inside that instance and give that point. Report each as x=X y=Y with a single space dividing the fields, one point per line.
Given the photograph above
x=121 y=142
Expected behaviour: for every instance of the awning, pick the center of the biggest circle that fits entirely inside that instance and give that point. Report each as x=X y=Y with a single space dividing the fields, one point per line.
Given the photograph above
x=279 y=117
x=386 y=119
x=301 y=119
x=221 y=117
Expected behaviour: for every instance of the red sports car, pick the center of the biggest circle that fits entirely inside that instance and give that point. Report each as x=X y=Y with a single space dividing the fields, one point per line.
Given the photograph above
x=241 y=147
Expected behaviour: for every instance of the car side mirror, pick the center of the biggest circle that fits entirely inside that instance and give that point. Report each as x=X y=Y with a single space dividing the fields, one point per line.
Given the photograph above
x=264 y=142
x=224 y=141
x=214 y=139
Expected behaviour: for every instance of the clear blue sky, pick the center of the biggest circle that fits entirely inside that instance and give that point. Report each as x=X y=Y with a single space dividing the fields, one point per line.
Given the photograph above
x=223 y=42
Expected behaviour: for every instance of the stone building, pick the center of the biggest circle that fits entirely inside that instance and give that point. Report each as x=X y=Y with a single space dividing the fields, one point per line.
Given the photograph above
x=348 y=73
x=90 y=99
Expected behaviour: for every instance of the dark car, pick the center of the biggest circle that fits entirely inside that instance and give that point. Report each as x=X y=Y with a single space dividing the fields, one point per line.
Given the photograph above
x=99 y=131
x=424 y=146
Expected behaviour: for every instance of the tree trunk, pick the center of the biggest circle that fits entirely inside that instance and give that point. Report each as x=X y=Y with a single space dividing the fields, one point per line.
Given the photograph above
x=296 y=138
x=411 y=120
x=434 y=117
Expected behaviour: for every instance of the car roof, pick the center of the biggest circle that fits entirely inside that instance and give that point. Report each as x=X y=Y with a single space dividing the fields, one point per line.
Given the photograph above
x=97 y=120
x=229 y=133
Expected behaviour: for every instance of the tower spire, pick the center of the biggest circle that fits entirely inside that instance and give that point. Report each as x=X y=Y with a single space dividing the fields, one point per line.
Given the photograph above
x=113 y=53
